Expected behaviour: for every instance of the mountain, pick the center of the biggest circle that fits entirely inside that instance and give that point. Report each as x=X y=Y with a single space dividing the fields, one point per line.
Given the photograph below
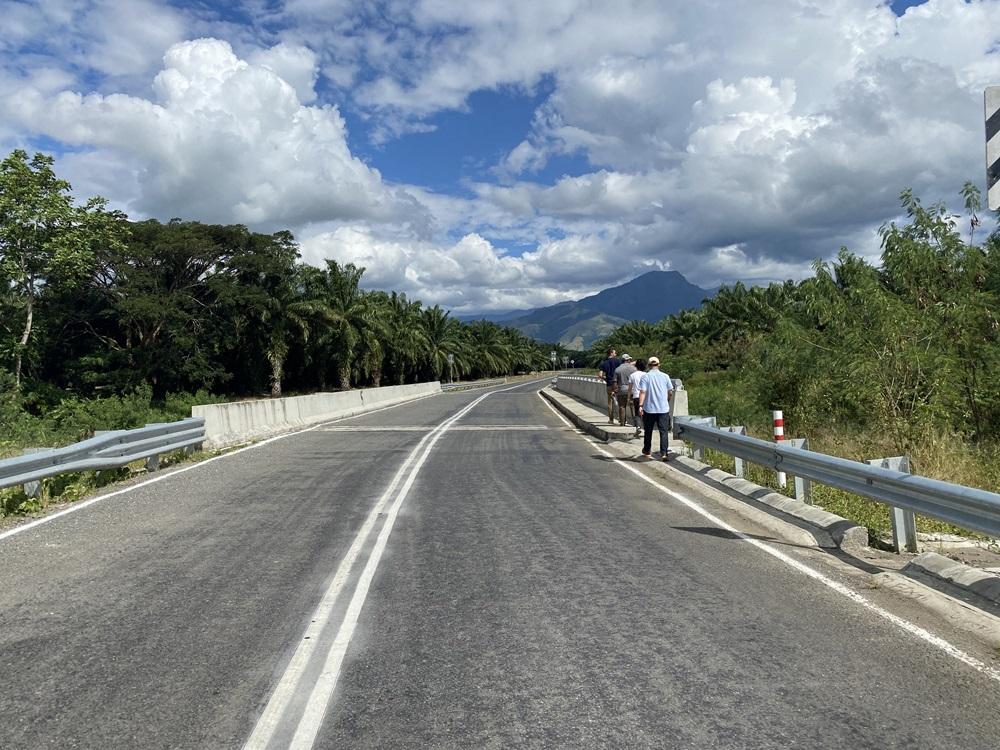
x=496 y=316
x=577 y=325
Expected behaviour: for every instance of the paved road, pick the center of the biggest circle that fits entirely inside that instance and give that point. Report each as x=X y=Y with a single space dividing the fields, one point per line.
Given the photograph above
x=515 y=588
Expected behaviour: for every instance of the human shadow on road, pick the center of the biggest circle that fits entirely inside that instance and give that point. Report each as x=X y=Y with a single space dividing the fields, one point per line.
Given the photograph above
x=621 y=459
x=727 y=534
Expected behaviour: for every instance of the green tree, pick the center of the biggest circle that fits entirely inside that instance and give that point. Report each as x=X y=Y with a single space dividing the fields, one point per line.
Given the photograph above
x=355 y=323
x=490 y=352
x=405 y=341
x=444 y=336
x=45 y=240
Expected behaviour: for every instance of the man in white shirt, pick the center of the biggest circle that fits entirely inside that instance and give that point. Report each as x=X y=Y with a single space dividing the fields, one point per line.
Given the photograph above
x=655 y=389
x=633 y=392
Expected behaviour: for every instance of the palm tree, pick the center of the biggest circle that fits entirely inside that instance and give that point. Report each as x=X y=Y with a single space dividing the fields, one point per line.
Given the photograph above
x=526 y=353
x=355 y=329
x=489 y=349
x=287 y=316
x=406 y=340
x=443 y=335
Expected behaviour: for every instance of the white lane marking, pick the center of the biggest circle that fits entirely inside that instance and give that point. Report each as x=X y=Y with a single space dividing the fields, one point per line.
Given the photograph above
x=285 y=689
x=428 y=428
x=319 y=696
x=169 y=474
x=905 y=625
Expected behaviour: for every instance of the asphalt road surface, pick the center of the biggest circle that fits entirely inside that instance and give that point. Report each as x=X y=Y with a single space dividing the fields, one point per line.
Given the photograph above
x=461 y=571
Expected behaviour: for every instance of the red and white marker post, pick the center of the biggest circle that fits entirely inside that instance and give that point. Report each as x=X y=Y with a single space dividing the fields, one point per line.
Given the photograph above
x=779 y=436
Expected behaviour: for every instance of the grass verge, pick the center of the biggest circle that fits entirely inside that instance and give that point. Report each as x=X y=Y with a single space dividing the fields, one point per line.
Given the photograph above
x=939 y=455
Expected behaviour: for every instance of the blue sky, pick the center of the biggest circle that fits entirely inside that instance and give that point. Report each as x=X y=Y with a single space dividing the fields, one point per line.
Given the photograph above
x=464 y=144
x=504 y=155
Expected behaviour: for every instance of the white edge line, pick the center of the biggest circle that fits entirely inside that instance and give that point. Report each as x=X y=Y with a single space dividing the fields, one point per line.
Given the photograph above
x=21 y=528
x=905 y=625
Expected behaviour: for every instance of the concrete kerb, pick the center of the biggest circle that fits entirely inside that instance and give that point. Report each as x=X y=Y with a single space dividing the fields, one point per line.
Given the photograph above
x=828 y=530
x=965 y=577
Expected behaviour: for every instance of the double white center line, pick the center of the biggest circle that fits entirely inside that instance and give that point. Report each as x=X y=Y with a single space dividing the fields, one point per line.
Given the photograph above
x=286 y=698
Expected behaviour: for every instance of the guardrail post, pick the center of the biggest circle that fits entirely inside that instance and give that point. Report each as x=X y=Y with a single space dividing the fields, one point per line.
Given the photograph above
x=803 y=486
x=904 y=522
x=740 y=468
x=678 y=428
x=33 y=489
x=153 y=462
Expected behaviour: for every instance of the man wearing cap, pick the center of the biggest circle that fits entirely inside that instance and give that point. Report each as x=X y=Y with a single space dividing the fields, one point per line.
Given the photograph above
x=655 y=390
x=622 y=373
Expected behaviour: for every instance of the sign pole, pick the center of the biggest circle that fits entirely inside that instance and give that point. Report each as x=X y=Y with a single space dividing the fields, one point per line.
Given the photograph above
x=992 y=109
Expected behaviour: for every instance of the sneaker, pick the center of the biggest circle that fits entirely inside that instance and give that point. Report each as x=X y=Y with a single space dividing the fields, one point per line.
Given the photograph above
x=638 y=432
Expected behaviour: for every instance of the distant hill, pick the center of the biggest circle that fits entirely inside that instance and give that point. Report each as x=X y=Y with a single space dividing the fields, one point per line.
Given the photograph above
x=577 y=325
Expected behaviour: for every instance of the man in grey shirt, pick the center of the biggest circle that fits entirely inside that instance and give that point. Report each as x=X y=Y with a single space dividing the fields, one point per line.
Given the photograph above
x=622 y=374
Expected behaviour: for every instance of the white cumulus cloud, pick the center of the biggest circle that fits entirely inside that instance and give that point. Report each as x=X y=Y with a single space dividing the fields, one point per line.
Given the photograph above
x=224 y=139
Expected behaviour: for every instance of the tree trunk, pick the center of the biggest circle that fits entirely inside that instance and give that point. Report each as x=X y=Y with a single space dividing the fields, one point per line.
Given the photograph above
x=377 y=379
x=275 y=380
x=277 y=358
x=30 y=307
x=345 y=377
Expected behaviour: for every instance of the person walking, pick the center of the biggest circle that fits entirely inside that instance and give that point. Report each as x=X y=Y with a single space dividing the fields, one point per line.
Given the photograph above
x=633 y=393
x=655 y=389
x=606 y=370
x=622 y=374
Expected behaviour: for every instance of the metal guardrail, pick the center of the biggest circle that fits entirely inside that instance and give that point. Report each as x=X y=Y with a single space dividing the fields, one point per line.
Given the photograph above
x=967 y=507
x=109 y=450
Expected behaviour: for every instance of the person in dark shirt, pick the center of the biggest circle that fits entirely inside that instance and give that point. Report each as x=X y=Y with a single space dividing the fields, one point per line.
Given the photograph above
x=606 y=370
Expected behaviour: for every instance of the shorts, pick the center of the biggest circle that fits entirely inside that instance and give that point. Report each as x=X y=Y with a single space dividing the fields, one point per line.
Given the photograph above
x=623 y=399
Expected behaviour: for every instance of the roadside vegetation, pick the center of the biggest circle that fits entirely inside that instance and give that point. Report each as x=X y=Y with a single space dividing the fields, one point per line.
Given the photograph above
x=865 y=360
x=106 y=323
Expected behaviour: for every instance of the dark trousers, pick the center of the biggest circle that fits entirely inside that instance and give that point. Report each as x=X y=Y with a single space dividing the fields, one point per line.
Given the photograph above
x=662 y=423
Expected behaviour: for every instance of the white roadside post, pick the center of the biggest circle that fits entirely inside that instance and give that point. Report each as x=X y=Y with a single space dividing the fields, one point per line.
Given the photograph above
x=33 y=489
x=992 y=107
x=904 y=522
x=779 y=436
x=739 y=468
x=803 y=486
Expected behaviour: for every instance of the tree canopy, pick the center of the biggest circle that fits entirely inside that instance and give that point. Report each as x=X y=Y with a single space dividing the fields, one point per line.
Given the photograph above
x=93 y=304
x=908 y=345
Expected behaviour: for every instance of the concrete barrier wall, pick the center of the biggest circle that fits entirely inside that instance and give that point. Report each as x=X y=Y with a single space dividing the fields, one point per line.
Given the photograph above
x=588 y=390
x=594 y=392
x=242 y=421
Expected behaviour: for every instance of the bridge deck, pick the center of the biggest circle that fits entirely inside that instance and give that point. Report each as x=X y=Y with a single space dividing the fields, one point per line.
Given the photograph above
x=492 y=582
